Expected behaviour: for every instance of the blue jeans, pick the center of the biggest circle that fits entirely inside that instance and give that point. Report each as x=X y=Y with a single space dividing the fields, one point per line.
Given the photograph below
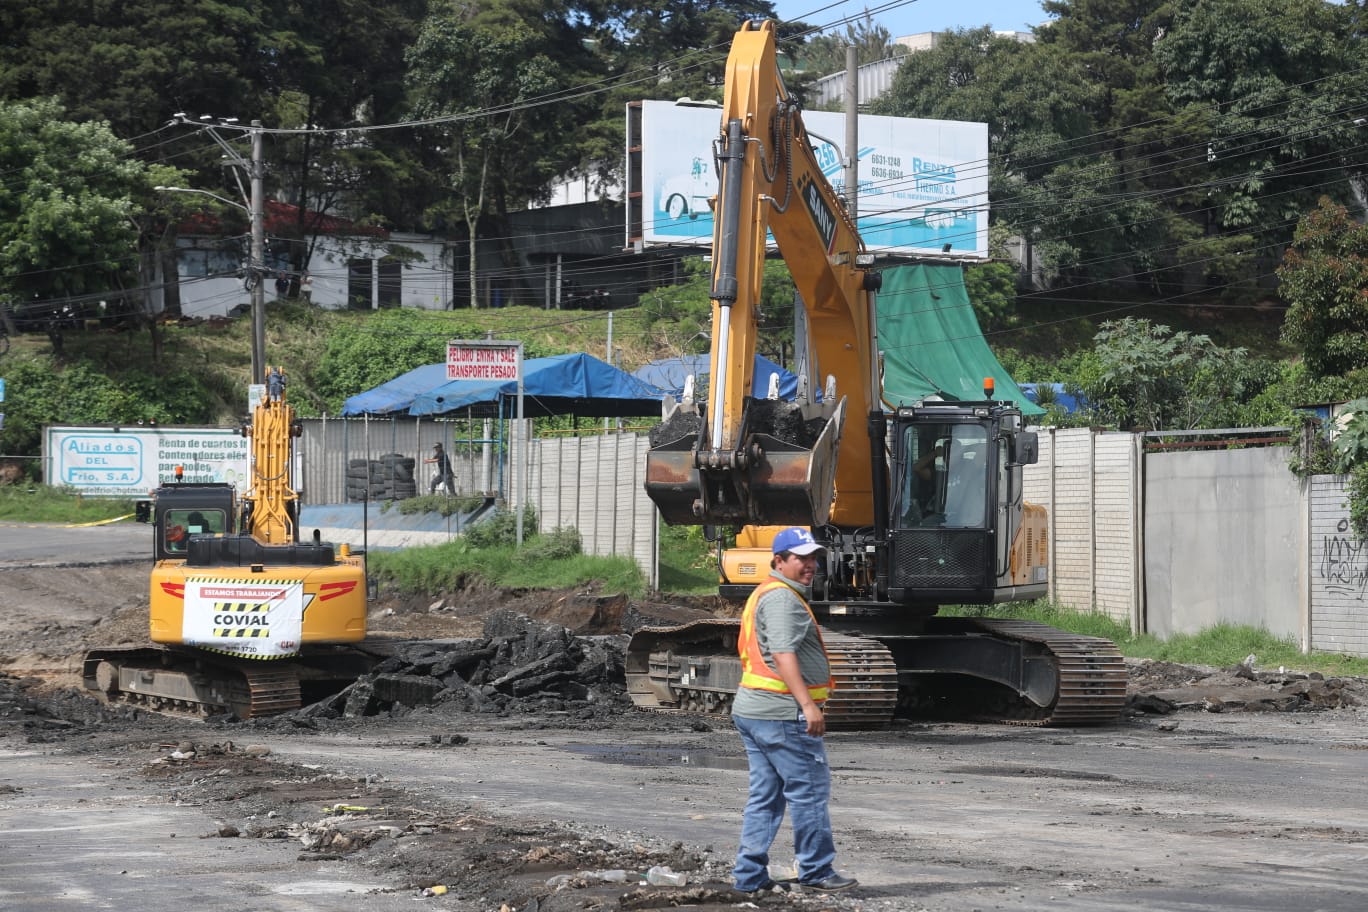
x=788 y=767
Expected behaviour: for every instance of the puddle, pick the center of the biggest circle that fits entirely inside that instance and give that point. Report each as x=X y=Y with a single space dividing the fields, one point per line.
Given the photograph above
x=658 y=756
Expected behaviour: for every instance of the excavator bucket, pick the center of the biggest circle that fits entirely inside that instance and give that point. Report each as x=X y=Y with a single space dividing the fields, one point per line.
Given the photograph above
x=785 y=474
x=672 y=480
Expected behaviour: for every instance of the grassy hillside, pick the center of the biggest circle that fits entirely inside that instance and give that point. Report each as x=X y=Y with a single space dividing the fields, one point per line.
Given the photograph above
x=218 y=355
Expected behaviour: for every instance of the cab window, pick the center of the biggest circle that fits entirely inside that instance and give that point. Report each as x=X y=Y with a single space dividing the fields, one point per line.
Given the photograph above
x=181 y=524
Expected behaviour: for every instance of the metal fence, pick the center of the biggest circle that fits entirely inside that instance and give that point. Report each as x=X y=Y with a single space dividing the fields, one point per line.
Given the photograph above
x=329 y=446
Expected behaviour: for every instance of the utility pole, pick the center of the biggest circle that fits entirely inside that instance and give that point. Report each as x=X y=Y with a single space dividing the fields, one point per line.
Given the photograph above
x=852 y=131
x=254 y=204
x=258 y=264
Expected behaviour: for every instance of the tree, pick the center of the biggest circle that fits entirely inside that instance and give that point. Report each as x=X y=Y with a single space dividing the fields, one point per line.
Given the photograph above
x=682 y=314
x=1036 y=102
x=490 y=85
x=133 y=63
x=992 y=291
x=1151 y=378
x=1261 y=82
x=70 y=211
x=1324 y=280
x=826 y=54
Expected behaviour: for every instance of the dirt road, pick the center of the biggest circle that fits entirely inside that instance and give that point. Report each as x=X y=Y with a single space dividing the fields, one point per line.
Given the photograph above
x=1199 y=809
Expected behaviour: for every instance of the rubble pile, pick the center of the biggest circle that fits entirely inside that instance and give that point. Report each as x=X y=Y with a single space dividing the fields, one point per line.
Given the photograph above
x=518 y=665
x=1164 y=687
x=40 y=716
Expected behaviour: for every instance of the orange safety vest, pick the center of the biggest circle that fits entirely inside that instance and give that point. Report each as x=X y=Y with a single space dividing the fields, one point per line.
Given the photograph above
x=756 y=673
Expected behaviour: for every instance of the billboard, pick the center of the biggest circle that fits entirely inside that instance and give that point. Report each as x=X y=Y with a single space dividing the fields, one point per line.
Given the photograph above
x=923 y=184
x=130 y=462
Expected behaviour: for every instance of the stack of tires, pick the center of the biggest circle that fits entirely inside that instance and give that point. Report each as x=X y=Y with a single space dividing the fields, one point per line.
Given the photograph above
x=388 y=478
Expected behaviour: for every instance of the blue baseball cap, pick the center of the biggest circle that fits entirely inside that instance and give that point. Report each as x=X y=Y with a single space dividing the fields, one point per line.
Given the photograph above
x=796 y=540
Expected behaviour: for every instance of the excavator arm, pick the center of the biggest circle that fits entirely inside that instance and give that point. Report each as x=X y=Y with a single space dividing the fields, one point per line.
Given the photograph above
x=271 y=506
x=742 y=460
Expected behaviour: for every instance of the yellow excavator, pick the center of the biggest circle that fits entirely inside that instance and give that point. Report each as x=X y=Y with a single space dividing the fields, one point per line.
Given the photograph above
x=247 y=618
x=921 y=507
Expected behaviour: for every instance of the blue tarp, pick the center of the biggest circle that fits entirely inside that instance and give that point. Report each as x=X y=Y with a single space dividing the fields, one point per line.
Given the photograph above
x=669 y=374
x=397 y=394
x=560 y=385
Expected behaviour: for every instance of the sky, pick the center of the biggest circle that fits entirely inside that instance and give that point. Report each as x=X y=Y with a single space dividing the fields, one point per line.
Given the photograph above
x=913 y=16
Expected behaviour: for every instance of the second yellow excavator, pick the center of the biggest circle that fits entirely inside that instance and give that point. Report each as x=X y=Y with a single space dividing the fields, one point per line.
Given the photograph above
x=248 y=620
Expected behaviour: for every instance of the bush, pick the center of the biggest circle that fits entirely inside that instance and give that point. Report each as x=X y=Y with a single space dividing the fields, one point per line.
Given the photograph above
x=557 y=544
x=501 y=529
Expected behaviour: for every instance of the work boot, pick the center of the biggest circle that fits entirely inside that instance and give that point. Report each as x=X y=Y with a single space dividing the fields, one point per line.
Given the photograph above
x=833 y=884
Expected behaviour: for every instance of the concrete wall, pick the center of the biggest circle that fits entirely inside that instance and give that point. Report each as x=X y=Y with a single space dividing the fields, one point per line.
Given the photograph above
x=1338 y=572
x=1223 y=541
x=1087 y=480
x=1167 y=542
x=597 y=485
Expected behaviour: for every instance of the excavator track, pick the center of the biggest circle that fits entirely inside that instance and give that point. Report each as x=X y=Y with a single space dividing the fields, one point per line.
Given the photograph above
x=178 y=682
x=1091 y=675
x=694 y=668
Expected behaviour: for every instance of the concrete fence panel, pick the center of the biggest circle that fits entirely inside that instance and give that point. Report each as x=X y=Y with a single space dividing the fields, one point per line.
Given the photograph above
x=1223 y=541
x=1337 y=571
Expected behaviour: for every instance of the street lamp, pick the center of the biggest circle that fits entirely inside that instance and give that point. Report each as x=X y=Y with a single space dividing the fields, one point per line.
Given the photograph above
x=222 y=199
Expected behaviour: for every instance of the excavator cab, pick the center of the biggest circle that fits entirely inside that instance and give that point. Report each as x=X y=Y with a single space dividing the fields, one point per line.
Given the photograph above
x=958 y=506
x=179 y=511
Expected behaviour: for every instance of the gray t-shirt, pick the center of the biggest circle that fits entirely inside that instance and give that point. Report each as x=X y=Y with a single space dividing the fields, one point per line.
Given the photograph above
x=782 y=624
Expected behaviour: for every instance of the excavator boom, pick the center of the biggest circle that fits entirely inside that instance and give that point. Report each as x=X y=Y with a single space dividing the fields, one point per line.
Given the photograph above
x=738 y=461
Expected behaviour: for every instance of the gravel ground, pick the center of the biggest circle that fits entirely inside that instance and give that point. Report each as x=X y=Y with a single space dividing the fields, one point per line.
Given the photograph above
x=471 y=794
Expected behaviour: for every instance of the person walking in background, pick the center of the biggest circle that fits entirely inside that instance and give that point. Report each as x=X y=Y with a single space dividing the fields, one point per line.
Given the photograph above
x=443 y=474
x=785 y=677
x=306 y=288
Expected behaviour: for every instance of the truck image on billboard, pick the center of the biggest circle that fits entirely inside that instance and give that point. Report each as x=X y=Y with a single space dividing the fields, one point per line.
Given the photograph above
x=923 y=184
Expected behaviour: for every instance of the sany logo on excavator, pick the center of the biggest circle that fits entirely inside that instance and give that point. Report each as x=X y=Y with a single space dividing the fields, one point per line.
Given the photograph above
x=822 y=216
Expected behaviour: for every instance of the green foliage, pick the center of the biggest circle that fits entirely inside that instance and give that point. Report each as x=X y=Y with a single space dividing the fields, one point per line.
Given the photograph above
x=66 y=207
x=825 y=54
x=442 y=504
x=608 y=574
x=688 y=562
x=1323 y=279
x=679 y=313
x=41 y=392
x=992 y=290
x=459 y=564
x=558 y=544
x=1155 y=379
x=363 y=353
x=502 y=528
x=1351 y=443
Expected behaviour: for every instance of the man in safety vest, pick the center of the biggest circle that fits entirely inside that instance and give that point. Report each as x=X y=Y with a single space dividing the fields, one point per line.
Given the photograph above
x=785 y=678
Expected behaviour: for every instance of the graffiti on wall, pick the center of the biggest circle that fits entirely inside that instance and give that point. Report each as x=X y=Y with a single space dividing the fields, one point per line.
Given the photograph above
x=1344 y=562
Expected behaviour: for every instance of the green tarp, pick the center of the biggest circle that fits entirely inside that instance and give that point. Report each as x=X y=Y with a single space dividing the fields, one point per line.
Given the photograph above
x=931 y=341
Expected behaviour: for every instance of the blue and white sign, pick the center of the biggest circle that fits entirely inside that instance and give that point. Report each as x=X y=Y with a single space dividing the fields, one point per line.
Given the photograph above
x=923 y=183
x=131 y=462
